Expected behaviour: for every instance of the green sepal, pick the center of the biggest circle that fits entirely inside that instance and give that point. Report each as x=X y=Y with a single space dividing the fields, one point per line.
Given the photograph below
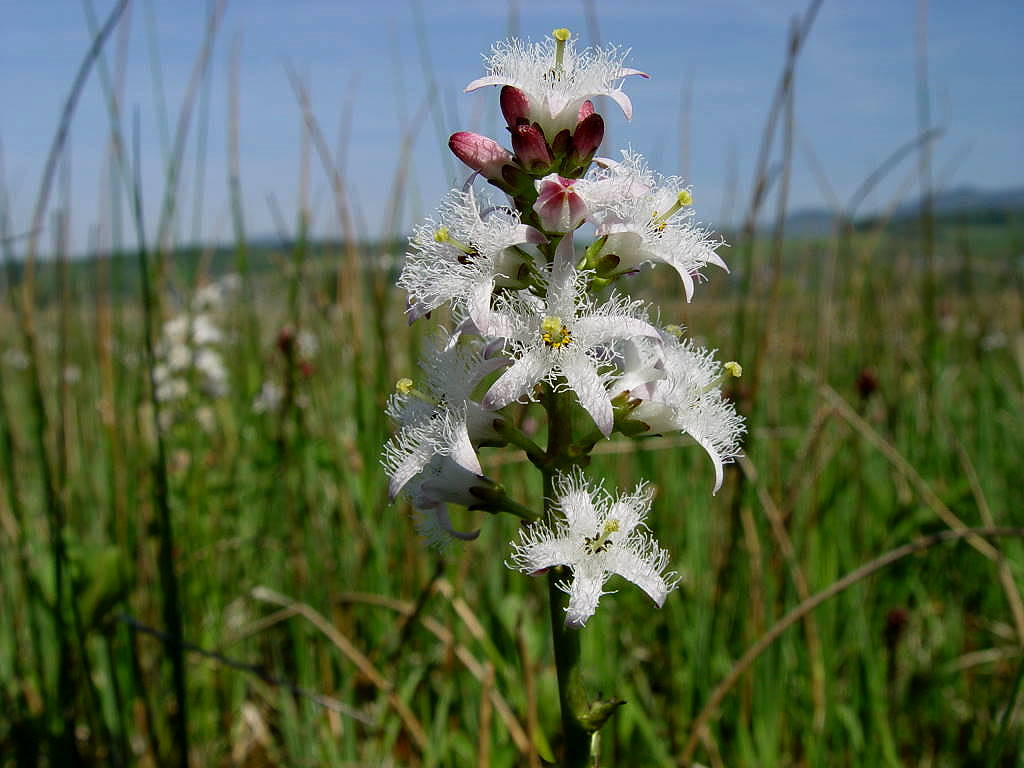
x=595 y=717
x=590 y=255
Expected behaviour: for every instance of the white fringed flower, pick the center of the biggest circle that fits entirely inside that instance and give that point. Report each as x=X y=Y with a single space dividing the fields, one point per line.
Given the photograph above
x=463 y=255
x=645 y=217
x=595 y=535
x=557 y=78
x=563 y=335
x=440 y=419
x=679 y=384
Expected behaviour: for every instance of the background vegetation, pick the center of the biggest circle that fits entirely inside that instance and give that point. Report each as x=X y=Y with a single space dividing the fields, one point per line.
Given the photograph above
x=221 y=579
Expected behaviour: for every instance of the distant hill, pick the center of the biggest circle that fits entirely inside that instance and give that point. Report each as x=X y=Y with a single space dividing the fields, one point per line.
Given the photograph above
x=813 y=222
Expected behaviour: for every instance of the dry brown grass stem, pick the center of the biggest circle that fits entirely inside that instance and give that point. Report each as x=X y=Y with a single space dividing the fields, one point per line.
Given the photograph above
x=530 y=691
x=905 y=468
x=752 y=653
x=469 y=661
x=1005 y=574
x=348 y=649
x=485 y=716
x=349 y=293
x=174 y=162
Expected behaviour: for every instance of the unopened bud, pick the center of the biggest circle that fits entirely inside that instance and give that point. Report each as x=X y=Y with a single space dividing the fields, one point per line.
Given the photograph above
x=480 y=153
x=531 y=147
x=515 y=105
x=587 y=137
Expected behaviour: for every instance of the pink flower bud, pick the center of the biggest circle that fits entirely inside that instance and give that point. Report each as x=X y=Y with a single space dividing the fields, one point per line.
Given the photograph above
x=559 y=207
x=530 y=147
x=586 y=110
x=515 y=105
x=587 y=137
x=480 y=153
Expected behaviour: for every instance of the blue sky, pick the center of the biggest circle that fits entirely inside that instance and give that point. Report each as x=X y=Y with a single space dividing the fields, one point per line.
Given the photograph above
x=855 y=98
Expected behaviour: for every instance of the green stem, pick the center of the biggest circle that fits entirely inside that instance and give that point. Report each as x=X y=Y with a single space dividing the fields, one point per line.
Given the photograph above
x=515 y=436
x=571 y=696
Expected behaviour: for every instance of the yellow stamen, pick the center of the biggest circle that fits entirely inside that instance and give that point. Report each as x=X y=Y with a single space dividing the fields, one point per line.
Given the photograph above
x=683 y=199
x=600 y=542
x=561 y=36
x=731 y=369
x=406 y=386
x=554 y=333
x=675 y=330
x=443 y=236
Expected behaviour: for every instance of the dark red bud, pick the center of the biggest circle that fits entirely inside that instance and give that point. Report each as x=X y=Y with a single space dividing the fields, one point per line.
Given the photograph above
x=515 y=106
x=530 y=147
x=561 y=143
x=286 y=341
x=587 y=138
x=867 y=383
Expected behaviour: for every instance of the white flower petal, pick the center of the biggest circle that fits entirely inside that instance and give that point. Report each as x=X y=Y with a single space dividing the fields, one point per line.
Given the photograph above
x=638 y=569
x=584 y=593
x=623 y=101
x=600 y=329
x=483 y=82
x=584 y=380
x=517 y=381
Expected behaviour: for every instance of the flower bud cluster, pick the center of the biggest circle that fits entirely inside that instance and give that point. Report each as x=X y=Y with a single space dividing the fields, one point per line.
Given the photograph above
x=535 y=317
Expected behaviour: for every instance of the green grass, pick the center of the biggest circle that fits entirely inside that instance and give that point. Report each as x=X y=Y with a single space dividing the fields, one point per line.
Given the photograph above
x=915 y=664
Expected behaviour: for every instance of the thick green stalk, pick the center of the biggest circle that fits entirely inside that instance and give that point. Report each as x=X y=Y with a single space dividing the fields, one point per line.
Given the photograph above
x=571 y=696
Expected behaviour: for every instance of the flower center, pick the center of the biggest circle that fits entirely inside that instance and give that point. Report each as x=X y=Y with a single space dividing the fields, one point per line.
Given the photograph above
x=602 y=540
x=554 y=333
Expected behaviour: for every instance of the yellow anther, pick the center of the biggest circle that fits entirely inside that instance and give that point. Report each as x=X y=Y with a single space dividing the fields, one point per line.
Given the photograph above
x=403 y=386
x=441 y=235
x=553 y=332
x=733 y=368
x=675 y=330
x=561 y=34
x=610 y=526
x=685 y=198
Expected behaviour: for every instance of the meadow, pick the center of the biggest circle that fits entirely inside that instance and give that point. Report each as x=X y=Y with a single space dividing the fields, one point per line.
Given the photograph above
x=215 y=576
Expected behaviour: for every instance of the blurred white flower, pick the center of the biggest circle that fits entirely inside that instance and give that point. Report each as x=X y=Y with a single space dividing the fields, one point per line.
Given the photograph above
x=15 y=358
x=595 y=535
x=269 y=398
x=307 y=343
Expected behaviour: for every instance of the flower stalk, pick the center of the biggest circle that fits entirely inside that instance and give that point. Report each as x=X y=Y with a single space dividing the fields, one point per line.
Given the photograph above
x=536 y=323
